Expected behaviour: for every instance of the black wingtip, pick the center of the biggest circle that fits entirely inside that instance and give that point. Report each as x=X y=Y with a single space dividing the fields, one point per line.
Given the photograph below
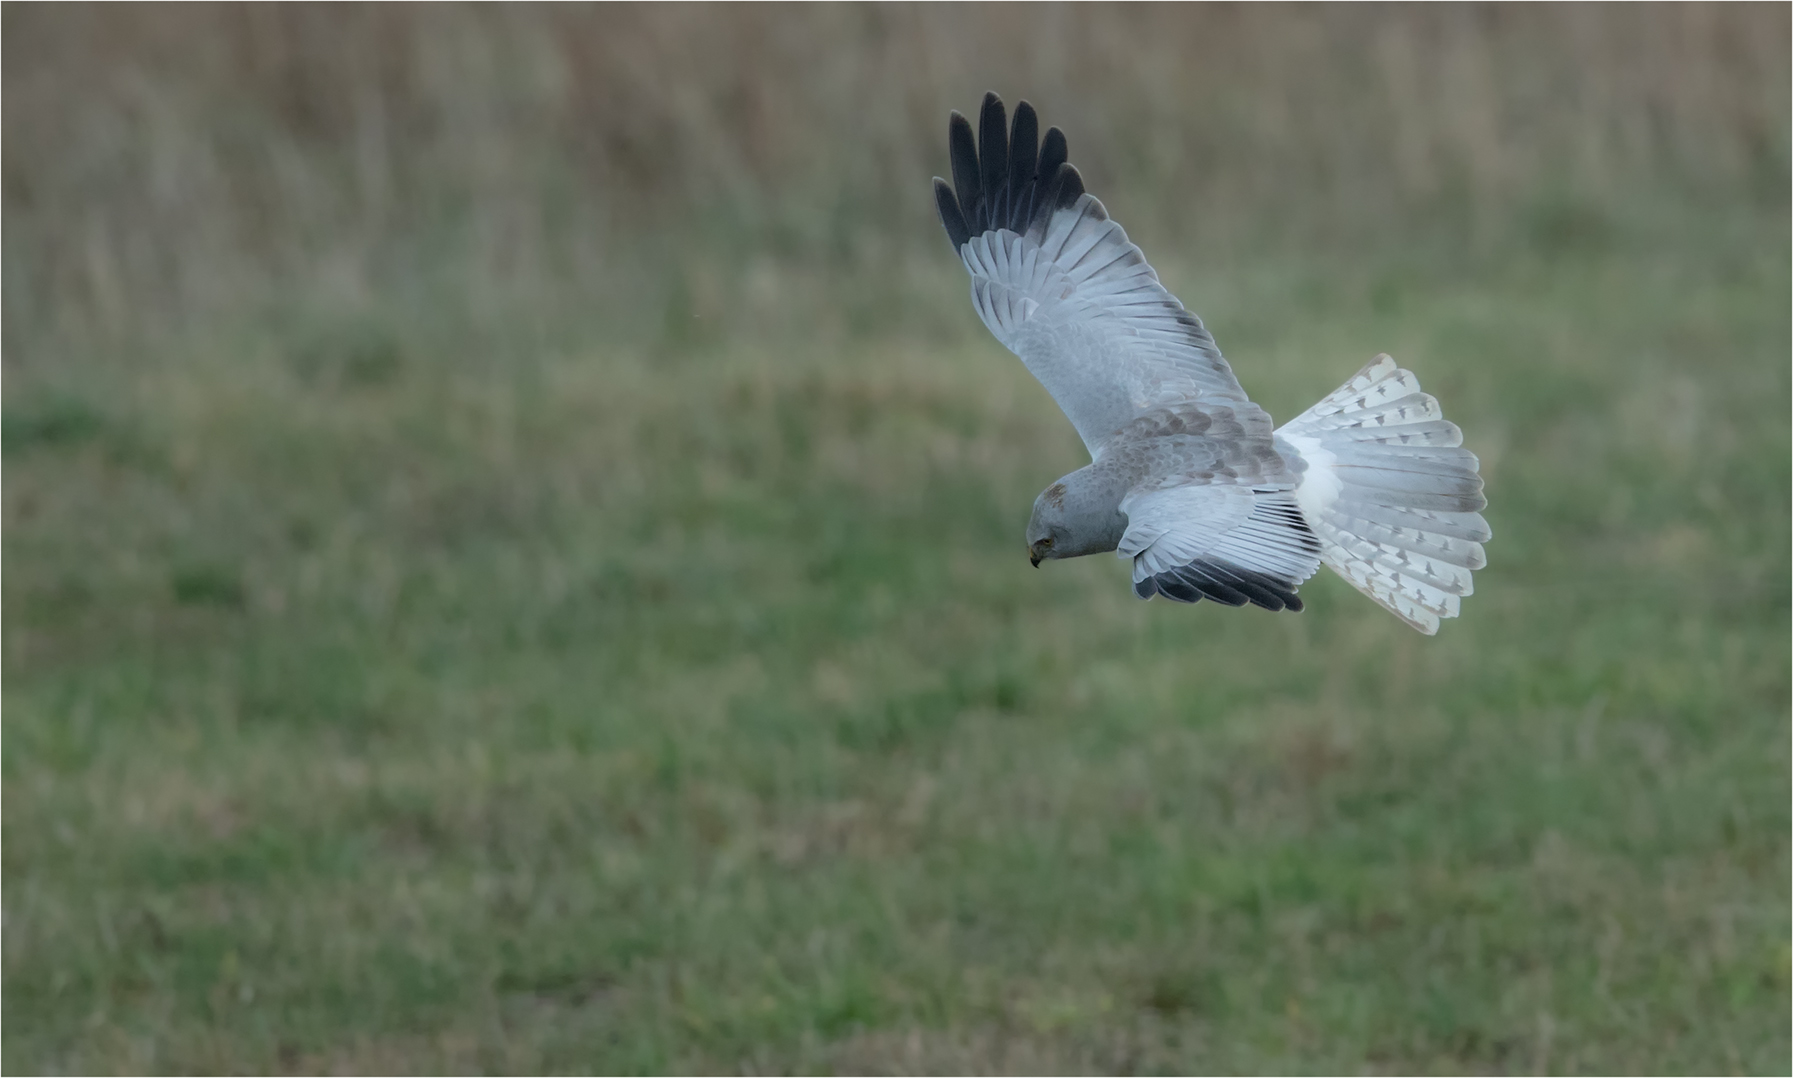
x=993 y=160
x=1024 y=159
x=962 y=146
x=1223 y=583
x=1180 y=590
x=1053 y=152
x=1002 y=174
x=1067 y=186
x=950 y=215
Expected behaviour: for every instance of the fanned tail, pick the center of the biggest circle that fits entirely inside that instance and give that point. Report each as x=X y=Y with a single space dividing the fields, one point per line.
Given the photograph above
x=1392 y=494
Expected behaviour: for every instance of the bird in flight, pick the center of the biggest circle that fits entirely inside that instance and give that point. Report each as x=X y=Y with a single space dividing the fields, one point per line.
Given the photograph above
x=1187 y=478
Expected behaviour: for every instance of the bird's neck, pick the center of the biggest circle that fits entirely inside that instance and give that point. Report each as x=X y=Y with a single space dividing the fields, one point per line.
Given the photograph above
x=1092 y=507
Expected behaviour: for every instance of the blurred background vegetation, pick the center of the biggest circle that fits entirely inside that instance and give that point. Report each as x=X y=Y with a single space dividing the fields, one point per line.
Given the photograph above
x=513 y=548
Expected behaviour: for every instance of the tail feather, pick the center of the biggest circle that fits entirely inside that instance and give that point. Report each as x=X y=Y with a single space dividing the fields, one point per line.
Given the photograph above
x=1434 y=432
x=1394 y=498
x=1419 y=459
x=1468 y=527
x=1443 y=483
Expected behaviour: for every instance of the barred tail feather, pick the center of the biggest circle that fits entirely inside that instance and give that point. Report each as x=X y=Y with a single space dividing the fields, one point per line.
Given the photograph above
x=1393 y=496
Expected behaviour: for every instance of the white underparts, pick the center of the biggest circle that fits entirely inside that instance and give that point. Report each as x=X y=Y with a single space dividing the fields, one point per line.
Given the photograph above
x=1319 y=487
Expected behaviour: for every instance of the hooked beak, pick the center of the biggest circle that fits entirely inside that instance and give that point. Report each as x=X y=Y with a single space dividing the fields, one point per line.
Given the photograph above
x=1035 y=558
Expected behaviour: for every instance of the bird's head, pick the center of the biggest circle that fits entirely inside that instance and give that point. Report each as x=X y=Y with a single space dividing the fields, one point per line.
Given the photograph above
x=1047 y=527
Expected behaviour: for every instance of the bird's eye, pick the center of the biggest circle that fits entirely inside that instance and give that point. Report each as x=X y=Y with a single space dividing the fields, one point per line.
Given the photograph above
x=1047 y=542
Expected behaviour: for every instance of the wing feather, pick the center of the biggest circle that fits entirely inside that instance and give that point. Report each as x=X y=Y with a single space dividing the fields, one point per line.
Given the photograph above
x=1190 y=539
x=1062 y=286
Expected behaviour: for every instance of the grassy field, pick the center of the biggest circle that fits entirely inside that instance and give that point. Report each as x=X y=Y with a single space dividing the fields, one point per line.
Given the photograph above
x=433 y=644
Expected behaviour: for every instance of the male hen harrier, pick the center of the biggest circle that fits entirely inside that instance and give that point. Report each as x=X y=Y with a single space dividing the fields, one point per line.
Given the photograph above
x=1186 y=476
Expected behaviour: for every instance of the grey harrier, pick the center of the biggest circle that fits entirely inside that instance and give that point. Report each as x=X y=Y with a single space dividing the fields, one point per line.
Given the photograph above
x=1187 y=477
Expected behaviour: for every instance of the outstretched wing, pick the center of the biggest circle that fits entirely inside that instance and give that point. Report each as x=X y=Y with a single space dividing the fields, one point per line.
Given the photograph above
x=1192 y=538
x=1062 y=287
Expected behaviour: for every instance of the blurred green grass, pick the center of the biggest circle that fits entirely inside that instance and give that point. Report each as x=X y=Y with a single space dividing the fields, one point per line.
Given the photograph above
x=627 y=661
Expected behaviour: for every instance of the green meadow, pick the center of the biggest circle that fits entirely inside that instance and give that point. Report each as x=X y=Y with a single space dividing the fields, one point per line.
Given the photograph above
x=529 y=575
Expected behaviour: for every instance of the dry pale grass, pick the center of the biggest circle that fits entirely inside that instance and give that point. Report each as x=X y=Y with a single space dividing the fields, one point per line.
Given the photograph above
x=168 y=162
